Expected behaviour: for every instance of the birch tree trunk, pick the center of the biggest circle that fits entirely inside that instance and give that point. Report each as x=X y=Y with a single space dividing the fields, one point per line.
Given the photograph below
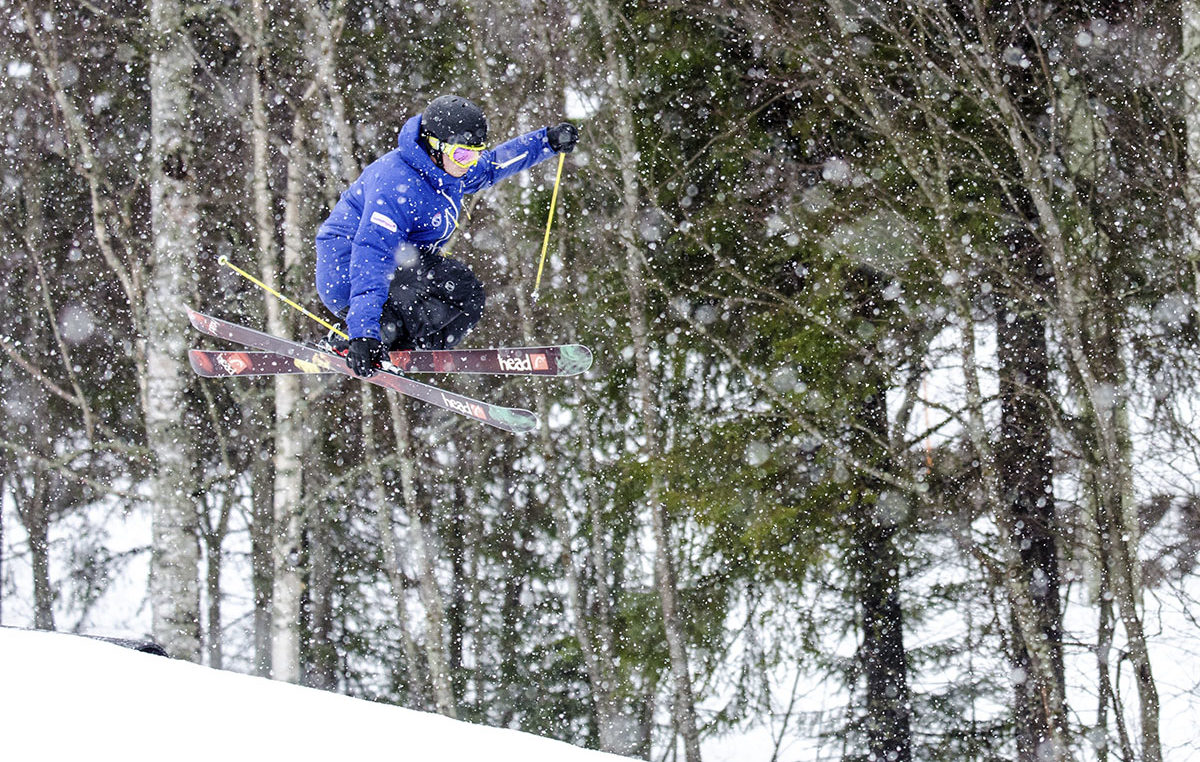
x=1103 y=388
x=1107 y=697
x=1024 y=465
x=287 y=591
x=1022 y=607
x=1190 y=65
x=1093 y=355
x=288 y=435
x=325 y=30
x=174 y=566
x=1115 y=513
x=684 y=705
x=33 y=509
x=419 y=540
x=212 y=587
x=415 y=678
x=262 y=571
x=319 y=653
x=289 y=526
x=4 y=481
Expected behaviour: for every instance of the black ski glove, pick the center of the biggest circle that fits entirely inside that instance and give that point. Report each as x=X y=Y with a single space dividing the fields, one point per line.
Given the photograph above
x=366 y=355
x=563 y=137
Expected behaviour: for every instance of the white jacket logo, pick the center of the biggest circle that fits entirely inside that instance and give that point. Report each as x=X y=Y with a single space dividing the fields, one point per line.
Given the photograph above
x=384 y=221
x=466 y=408
x=524 y=363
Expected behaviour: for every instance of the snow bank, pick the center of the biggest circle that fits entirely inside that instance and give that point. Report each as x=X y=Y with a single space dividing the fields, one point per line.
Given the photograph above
x=67 y=697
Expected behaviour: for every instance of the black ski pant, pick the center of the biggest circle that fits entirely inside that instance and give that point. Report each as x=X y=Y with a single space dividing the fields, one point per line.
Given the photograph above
x=432 y=305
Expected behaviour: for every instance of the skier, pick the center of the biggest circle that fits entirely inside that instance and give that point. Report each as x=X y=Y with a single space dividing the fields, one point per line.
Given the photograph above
x=379 y=261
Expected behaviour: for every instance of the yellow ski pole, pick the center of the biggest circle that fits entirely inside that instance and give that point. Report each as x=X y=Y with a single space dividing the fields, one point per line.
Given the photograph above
x=225 y=261
x=549 y=222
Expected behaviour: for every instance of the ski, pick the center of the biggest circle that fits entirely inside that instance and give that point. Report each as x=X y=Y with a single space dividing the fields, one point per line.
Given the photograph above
x=505 y=418
x=221 y=363
x=561 y=360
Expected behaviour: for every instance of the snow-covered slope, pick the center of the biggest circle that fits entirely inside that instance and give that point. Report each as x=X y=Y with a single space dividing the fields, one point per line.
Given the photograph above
x=67 y=697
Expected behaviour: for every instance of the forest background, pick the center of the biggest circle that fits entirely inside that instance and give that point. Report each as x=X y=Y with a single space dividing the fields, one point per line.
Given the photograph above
x=889 y=451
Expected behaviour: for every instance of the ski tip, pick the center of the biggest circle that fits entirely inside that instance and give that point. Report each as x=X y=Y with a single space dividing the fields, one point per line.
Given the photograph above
x=574 y=359
x=213 y=364
x=201 y=363
x=519 y=424
x=195 y=318
x=208 y=324
x=512 y=419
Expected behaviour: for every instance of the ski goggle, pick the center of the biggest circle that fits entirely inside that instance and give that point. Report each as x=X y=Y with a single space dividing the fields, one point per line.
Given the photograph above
x=462 y=155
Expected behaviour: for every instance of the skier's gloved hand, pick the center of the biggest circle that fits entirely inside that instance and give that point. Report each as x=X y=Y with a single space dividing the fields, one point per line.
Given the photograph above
x=366 y=355
x=563 y=137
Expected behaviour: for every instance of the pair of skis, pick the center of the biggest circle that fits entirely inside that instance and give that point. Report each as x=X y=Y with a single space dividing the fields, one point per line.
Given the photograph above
x=277 y=355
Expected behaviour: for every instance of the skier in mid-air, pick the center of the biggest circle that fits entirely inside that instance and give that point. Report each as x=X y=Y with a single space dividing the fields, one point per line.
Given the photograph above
x=379 y=261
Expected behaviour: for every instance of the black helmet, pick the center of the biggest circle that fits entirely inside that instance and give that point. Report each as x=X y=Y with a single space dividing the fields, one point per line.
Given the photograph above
x=453 y=119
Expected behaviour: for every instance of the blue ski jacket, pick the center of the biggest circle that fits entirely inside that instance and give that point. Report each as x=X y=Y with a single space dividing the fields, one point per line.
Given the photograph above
x=402 y=208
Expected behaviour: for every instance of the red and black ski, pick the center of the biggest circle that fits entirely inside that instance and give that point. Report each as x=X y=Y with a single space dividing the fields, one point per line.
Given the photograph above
x=221 y=363
x=506 y=418
x=560 y=360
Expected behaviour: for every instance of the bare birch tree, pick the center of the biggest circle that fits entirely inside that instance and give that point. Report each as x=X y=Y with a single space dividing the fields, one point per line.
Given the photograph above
x=321 y=50
x=286 y=434
x=175 y=595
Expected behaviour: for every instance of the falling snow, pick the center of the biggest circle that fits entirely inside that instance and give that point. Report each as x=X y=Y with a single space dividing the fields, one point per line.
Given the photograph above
x=888 y=446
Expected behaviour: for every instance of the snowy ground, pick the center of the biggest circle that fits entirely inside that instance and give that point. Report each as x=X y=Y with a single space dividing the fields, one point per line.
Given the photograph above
x=68 y=697
x=133 y=706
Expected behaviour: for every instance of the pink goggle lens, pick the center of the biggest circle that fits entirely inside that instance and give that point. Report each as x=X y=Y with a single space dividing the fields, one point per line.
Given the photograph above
x=464 y=156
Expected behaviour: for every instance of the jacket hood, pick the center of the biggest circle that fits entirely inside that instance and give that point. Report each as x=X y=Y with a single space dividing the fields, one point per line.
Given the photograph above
x=416 y=157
